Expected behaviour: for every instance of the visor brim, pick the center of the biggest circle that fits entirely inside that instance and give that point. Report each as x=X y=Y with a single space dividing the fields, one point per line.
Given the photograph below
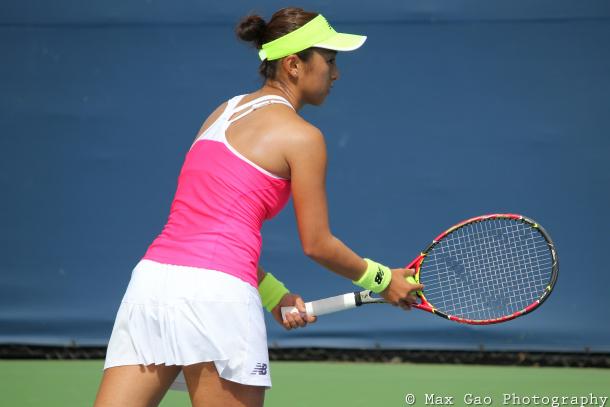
x=342 y=42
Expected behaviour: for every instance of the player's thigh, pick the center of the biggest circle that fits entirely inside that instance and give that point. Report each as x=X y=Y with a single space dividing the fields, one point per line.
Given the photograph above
x=207 y=388
x=135 y=385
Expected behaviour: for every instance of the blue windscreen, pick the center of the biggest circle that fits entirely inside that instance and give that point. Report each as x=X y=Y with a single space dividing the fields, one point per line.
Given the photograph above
x=450 y=110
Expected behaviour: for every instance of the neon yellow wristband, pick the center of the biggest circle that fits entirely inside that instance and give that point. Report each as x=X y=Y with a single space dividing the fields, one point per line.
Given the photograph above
x=271 y=291
x=376 y=277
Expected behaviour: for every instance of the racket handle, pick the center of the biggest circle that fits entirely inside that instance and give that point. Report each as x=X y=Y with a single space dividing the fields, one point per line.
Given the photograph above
x=325 y=306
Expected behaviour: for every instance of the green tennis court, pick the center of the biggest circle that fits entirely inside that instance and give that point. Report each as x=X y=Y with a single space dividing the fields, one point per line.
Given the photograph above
x=303 y=384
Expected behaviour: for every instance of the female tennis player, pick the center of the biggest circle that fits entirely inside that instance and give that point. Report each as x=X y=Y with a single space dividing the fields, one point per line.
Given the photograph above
x=193 y=306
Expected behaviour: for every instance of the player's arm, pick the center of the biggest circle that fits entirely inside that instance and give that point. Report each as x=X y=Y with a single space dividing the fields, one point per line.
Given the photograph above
x=260 y=274
x=307 y=160
x=306 y=157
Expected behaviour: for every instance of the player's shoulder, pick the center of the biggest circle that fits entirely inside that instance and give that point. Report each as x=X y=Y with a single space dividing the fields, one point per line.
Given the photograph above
x=212 y=118
x=301 y=131
x=303 y=140
x=219 y=110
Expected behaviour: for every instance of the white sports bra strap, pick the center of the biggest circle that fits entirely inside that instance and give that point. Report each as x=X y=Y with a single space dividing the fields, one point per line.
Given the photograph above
x=217 y=129
x=260 y=100
x=257 y=103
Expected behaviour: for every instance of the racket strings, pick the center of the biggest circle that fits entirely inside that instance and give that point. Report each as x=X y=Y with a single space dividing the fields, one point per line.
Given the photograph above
x=487 y=270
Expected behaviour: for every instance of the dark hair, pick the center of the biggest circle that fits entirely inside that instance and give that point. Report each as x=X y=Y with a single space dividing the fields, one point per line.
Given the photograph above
x=253 y=29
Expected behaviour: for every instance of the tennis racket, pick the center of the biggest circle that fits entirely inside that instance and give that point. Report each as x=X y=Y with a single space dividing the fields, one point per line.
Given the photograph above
x=484 y=270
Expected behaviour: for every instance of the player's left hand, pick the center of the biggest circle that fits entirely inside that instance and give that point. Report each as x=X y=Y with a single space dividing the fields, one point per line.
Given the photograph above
x=293 y=320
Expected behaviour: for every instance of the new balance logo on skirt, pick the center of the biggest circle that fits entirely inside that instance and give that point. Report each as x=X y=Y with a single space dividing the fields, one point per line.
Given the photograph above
x=260 y=369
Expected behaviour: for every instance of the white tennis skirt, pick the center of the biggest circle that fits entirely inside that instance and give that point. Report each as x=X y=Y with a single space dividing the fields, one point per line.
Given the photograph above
x=177 y=315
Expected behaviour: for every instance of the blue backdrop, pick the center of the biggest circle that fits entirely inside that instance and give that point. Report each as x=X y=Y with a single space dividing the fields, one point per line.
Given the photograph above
x=465 y=107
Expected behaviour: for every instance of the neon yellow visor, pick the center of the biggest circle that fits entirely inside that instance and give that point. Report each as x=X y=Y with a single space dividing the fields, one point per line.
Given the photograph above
x=316 y=33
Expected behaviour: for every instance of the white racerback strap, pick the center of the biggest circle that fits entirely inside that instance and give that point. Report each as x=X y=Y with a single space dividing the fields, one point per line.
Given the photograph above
x=216 y=131
x=253 y=105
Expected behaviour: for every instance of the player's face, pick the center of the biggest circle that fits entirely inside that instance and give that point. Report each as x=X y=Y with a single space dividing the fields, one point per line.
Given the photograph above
x=320 y=73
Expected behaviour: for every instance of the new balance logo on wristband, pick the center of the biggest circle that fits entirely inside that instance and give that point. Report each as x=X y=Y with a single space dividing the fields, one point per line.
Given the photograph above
x=379 y=275
x=260 y=369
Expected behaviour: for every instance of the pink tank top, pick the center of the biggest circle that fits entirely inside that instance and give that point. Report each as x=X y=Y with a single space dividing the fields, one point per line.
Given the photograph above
x=220 y=204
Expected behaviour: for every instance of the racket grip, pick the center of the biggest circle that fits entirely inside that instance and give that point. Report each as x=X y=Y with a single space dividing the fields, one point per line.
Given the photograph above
x=325 y=306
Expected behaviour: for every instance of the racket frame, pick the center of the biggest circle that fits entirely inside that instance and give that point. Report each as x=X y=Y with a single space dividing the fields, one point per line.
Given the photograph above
x=425 y=305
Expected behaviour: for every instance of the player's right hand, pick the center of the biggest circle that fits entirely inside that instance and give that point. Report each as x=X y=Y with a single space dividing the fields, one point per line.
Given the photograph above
x=293 y=320
x=400 y=292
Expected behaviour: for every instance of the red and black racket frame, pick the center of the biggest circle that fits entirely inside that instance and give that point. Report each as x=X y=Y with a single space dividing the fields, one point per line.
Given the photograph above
x=427 y=306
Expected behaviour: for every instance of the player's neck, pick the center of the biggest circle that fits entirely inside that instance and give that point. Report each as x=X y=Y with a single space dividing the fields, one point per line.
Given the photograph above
x=287 y=91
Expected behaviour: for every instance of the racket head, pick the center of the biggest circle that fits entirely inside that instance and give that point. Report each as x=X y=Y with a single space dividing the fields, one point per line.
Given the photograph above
x=487 y=269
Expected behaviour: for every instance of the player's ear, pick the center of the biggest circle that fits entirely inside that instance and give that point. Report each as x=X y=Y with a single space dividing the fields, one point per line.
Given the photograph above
x=293 y=66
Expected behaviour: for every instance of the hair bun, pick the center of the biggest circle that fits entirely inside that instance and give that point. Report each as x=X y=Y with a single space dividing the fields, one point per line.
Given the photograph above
x=252 y=29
